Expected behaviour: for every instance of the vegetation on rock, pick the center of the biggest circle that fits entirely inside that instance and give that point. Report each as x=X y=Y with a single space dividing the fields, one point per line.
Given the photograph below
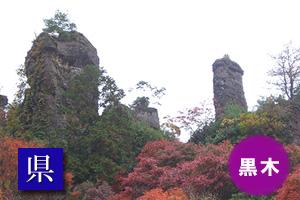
x=119 y=155
x=59 y=24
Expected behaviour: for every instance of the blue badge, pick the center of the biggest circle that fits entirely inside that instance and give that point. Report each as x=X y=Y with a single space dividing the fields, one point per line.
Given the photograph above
x=40 y=169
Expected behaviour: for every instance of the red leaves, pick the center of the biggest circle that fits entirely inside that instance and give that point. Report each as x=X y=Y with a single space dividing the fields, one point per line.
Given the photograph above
x=195 y=168
x=291 y=187
x=144 y=177
x=9 y=157
x=8 y=161
x=207 y=172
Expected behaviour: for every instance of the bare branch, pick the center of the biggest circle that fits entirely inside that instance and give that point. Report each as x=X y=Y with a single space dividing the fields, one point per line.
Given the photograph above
x=287 y=71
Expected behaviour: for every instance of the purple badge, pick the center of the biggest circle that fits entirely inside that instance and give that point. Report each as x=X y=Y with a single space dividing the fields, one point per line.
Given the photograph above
x=258 y=165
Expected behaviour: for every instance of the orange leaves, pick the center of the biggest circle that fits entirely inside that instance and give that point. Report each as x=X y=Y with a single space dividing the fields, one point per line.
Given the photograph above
x=8 y=162
x=291 y=187
x=159 y=194
x=9 y=158
x=68 y=178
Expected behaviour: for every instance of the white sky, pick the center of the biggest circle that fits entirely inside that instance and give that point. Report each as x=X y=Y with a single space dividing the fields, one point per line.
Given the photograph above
x=169 y=43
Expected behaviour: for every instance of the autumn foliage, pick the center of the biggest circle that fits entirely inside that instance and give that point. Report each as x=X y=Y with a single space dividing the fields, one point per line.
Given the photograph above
x=8 y=161
x=196 y=169
x=8 y=170
x=291 y=187
x=294 y=154
x=158 y=193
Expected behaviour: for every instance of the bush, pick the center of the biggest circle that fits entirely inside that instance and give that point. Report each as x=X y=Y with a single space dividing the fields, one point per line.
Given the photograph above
x=291 y=188
x=8 y=162
x=235 y=129
x=158 y=193
x=242 y=196
x=294 y=154
x=274 y=117
x=89 y=191
x=196 y=169
x=9 y=168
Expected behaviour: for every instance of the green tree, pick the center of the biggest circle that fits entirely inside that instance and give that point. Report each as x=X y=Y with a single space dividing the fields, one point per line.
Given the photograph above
x=58 y=24
x=232 y=110
x=140 y=103
x=151 y=94
x=109 y=146
x=110 y=93
x=22 y=85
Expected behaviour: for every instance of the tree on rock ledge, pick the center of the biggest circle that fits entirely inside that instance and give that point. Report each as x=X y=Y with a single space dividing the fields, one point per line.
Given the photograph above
x=59 y=24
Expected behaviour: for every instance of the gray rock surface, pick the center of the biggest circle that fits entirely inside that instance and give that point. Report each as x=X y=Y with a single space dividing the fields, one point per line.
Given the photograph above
x=50 y=66
x=149 y=116
x=227 y=85
x=3 y=101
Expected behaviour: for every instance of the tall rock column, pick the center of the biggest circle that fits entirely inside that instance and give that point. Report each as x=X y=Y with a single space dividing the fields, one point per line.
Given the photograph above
x=228 y=85
x=61 y=88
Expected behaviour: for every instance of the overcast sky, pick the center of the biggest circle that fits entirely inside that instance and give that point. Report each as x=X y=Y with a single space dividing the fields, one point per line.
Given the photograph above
x=169 y=43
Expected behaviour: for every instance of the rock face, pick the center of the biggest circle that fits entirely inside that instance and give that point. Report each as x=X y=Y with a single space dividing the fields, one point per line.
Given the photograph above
x=228 y=85
x=3 y=104
x=148 y=115
x=51 y=66
x=3 y=101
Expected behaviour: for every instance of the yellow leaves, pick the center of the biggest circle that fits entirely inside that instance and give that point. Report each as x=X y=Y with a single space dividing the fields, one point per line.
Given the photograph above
x=248 y=120
x=175 y=130
x=228 y=122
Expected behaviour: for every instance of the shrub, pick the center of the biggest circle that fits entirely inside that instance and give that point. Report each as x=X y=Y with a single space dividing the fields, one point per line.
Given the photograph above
x=242 y=196
x=196 y=169
x=294 y=154
x=89 y=191
x=291 y=188
x=59 y=23
x=237 y=128
x=124 y=195
x=158 y=193
x=8 y=162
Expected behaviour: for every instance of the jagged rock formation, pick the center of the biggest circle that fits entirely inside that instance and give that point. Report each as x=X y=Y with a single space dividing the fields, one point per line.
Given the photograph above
x=228 y=85
x=149 y=116
x=52 y=67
